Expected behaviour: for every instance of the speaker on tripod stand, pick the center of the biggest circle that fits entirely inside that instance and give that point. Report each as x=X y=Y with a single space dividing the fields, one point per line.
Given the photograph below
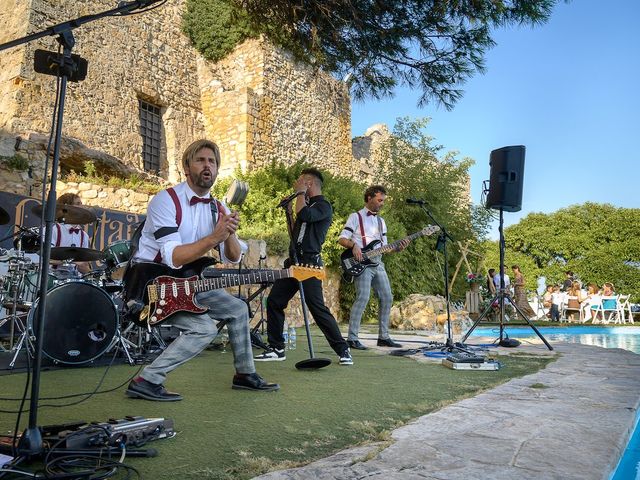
x=506 y=179
x=505 y=194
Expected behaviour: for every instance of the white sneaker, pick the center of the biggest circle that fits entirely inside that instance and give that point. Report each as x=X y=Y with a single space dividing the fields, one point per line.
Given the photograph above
x=273 y=355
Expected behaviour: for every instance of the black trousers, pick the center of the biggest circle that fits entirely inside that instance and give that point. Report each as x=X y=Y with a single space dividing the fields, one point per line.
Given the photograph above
x=282 y=292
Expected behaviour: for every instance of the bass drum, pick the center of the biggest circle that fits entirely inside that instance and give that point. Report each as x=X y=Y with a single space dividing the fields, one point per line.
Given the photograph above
x=80 y=322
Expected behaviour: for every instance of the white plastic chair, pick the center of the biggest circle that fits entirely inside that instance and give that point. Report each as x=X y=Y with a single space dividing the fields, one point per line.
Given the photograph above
x=624 y=309
x=566 y=311
x=609 y=312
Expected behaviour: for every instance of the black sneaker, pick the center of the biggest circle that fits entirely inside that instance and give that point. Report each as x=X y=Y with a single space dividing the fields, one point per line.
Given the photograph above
x=271 y=355
x=345 y=358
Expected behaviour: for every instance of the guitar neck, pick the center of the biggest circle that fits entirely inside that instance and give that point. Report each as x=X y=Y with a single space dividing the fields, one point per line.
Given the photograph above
x=234 y=280
x=391 y=246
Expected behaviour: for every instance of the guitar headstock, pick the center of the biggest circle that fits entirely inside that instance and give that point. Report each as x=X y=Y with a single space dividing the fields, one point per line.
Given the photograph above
x=300 y=272
x=430 y=230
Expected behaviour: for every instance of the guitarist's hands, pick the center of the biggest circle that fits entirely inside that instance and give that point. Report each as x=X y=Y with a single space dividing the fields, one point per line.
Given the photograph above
x=357 y=252
x=403 y=244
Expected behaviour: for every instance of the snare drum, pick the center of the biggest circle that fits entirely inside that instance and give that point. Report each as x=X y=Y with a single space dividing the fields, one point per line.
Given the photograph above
x=116 y=257
x=80 y=322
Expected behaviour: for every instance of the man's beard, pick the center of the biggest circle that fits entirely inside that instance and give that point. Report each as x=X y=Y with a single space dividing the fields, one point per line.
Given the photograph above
x=200 y=181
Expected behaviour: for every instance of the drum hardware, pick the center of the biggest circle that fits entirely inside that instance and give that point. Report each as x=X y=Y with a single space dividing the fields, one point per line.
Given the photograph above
x=76 y=254
x=69 y=214
x=116 y=258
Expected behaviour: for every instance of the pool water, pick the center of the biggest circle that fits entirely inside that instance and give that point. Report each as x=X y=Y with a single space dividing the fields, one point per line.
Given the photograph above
x=627 y=338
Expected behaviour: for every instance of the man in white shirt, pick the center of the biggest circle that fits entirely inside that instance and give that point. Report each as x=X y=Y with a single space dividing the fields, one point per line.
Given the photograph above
x=362 y=228
x=507 y=282
x=65 y=235
x=183 y=224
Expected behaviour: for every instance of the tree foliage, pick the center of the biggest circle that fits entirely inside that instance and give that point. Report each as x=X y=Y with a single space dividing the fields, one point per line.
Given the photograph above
x=598 y=242
x=412 y=166
x=430 y=45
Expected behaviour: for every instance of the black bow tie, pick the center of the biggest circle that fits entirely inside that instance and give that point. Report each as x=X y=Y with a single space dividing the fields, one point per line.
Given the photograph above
x=195 y=200
x=371 y=213
x=74 y=230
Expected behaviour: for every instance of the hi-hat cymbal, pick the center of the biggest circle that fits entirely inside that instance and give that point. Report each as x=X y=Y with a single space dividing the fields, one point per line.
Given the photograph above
x=69 y=214
x=77 y=254
x=4 y=216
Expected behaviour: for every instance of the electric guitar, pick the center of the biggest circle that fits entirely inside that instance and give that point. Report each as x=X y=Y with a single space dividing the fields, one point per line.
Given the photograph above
x=154 y=292
x=371 y=255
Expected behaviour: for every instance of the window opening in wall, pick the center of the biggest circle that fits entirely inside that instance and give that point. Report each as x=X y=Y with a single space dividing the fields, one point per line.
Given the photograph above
x=151 y=132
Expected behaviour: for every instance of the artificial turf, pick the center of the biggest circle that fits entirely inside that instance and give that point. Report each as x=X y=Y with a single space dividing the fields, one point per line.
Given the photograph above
x=224 y=433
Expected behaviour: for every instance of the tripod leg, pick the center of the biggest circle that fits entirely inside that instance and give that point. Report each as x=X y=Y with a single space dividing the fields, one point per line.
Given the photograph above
x=479 y=319
x=532 y=326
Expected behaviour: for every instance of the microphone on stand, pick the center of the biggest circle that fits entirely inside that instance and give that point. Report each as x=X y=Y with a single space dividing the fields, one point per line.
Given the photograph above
x=285 y=201
x=415 y=201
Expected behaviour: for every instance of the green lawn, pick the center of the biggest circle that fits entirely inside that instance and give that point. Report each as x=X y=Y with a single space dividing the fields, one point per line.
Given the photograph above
x=224 y=433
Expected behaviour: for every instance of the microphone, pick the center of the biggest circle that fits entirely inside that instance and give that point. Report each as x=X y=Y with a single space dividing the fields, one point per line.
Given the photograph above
x=415 y=201
x=285 y=201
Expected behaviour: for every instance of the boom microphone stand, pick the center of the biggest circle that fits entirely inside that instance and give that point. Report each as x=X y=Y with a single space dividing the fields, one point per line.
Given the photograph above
x=449 y=346
x=501 y=296
x=65 y=67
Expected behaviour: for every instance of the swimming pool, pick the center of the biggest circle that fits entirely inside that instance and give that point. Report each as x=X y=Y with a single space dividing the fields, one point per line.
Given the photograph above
x=627 y=338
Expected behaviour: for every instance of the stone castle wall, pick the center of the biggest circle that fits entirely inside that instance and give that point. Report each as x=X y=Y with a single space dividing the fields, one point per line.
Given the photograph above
x=140 y=56
x=263 y=106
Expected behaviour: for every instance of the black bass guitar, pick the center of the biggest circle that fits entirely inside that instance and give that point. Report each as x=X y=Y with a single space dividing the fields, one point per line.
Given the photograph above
x=154 y=292
x=371 y=255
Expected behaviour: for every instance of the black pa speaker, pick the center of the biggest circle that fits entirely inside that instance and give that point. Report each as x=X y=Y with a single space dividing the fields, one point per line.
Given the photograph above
x=506 y=178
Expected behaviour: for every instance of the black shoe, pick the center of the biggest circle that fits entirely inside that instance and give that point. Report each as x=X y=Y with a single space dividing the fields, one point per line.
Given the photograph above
x=355 y=344
x=387 y=342
x=140 y=388
x=253 y=381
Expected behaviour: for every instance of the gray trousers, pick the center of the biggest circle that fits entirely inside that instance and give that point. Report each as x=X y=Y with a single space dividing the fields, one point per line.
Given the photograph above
x=197 y=331
x=377 y=278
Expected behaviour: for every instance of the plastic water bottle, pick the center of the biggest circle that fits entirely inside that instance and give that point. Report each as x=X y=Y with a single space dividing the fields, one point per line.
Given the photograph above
x=292 y=337
x=285 y=334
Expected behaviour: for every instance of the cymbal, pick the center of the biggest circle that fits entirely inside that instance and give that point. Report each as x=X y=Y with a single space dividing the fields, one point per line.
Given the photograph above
x=77 y=254
x=69 y=214
x=4 y=216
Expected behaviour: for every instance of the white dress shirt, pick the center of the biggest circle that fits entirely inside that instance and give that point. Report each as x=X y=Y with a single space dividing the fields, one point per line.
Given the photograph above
x=371 y=226
x=67 y=237
x=162 y=234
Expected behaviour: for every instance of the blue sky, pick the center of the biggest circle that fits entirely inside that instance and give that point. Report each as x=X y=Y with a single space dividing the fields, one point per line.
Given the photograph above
x=568 y=90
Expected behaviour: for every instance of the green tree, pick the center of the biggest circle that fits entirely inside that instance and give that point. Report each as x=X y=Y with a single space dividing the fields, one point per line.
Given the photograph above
x=431 y=45
x=598 y=242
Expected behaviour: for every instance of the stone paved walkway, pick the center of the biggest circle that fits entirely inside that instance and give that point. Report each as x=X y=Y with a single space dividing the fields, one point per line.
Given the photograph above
x=573 y=429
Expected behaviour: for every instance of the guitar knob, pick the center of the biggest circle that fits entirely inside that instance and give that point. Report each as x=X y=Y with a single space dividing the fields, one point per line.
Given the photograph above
x=159 y=311
x=162 y=303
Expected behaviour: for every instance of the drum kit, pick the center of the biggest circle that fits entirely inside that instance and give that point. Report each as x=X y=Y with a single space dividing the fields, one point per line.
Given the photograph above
x=81 y=321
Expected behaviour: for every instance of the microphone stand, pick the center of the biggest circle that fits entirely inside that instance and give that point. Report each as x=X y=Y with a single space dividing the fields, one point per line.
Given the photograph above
x=449 y=346
x=31 y=443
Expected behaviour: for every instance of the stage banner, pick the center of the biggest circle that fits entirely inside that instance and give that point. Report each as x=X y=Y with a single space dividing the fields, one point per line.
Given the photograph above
x=110 y=225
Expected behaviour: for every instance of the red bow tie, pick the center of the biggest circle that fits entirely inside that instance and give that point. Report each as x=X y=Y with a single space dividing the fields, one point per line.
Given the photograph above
x=74 y=230
x=195 y=200
x=371 y=213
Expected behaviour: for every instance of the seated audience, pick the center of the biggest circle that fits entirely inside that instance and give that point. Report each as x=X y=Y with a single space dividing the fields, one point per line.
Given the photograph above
x=590 y=300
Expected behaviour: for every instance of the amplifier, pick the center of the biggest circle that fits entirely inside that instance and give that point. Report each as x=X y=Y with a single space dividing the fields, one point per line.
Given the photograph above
x=130 y=431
